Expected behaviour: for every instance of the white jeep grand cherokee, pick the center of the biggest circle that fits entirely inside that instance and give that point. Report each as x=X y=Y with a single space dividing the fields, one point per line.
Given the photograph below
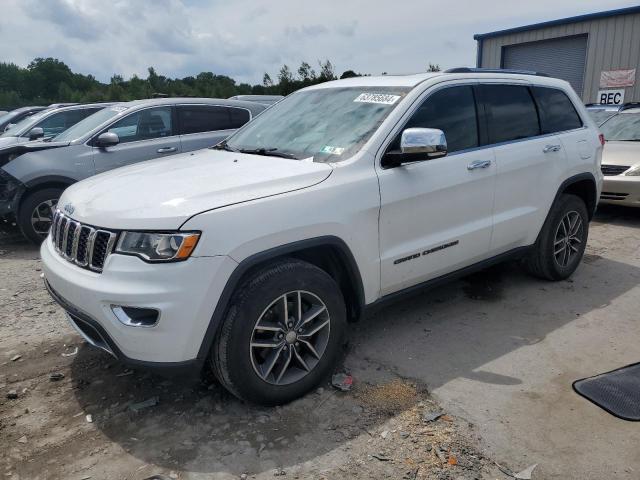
x=254 y=255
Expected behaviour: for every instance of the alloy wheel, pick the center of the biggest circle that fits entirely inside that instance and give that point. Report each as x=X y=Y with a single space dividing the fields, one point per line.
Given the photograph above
x=568 y=238
x=42 y=216
x=290 y=337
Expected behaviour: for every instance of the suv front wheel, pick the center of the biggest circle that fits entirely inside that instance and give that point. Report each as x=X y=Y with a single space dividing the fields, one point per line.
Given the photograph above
x=562 y=241
x=282 y=334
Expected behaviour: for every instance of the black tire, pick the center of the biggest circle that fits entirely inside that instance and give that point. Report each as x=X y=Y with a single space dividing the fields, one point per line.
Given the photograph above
x=27 y=208
x=232 y=356
x=542 y=261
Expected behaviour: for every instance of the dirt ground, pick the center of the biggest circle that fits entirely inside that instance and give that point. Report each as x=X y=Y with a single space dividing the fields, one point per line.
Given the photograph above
x=460 y=351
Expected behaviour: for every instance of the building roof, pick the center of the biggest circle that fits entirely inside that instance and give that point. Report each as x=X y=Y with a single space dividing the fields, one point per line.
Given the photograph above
x=561 y=21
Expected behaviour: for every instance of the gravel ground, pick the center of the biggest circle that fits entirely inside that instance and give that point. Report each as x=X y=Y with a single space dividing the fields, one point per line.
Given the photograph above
x=76 y=415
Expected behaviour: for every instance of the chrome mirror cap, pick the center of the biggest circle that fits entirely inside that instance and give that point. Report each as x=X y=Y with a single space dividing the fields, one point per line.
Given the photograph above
x=429 y=141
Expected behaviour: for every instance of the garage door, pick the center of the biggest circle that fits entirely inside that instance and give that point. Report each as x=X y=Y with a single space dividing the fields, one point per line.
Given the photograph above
x=562 y=58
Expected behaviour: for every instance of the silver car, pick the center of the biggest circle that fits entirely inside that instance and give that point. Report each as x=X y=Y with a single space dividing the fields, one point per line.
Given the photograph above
x=621 y=159
x=48 y=123
x=34 y=174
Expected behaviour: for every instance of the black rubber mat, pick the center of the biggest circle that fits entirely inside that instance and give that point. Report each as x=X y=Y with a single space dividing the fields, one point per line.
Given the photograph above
x=617 y=392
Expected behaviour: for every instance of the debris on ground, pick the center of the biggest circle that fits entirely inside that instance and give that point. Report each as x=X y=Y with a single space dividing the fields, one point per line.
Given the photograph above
x=126 y=373
x=15 y=358
x=380 y=456
x=428 y=417
x=342 y=382
x=22 y=439
x=523 y=475
x=151 y=402
x=71 y=354
x=12 y=394
x=89 y=418
x=56 y=376
x=279 y=473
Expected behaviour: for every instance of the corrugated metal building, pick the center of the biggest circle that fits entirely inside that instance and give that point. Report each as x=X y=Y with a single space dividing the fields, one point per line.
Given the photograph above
x=597 y=53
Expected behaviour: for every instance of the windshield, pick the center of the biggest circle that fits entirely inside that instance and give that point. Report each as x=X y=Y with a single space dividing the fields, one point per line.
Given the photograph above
x=328 y=124
x=88 y=124
x=601 y=115
x=24 y=125
x=622 y=127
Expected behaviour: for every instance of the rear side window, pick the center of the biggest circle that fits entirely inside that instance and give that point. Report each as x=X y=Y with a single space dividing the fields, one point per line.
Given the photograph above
x=453 y=111
x=557 y=113
x=203 y=118
x=239 y=116
x=511 y=113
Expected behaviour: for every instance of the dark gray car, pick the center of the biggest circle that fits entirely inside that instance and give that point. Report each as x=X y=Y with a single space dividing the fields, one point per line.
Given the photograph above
x=14 y=116
x=48 y=123
x=34 y=174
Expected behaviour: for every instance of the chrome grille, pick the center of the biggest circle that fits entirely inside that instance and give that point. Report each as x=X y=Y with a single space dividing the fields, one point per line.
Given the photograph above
x=610 y=170
x=86 y=246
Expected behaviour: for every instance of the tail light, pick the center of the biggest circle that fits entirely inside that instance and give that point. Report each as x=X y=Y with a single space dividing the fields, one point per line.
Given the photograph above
x=602 y=140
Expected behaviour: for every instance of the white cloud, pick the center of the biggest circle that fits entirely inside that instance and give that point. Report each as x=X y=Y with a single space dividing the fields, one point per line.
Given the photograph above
x=246 y=38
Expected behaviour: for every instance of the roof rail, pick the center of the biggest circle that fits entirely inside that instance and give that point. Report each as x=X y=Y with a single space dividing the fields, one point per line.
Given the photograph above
x=494 y=70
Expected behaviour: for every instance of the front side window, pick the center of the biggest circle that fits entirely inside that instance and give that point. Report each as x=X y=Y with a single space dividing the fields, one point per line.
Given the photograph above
x=203 y=118
x=326 y=124
x=557 y=113
x=144 y=125
x=511 y=113
x=624 y=127
x=452 y=110
x=59 y=122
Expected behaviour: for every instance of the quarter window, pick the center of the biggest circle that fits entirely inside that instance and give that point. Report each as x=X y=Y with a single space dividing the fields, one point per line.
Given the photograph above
x=452 y=110
x=557 y=113
x=204 y=118
x=511 y=113
x=144 y=125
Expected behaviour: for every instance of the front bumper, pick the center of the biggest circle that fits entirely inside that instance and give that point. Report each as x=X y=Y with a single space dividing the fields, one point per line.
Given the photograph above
x=621 y=190
x=185 y=293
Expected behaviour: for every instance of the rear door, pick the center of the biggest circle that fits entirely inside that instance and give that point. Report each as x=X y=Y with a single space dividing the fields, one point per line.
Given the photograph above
x=528 y=163
x=203 y=126
x=144 y=135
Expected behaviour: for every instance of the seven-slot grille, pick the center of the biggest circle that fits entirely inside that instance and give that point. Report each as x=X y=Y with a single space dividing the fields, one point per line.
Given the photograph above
x=610 y=170
x=83 y=245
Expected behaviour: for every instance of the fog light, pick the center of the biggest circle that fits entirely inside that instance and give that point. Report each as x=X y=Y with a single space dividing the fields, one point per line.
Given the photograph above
x=136 y=317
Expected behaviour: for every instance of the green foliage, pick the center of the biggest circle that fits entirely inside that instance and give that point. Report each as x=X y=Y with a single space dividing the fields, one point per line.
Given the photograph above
x=48 y=80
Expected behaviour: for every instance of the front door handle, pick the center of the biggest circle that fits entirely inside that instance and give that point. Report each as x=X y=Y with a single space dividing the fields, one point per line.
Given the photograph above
x=479 y=164
x=167 y=149
x=551 y=148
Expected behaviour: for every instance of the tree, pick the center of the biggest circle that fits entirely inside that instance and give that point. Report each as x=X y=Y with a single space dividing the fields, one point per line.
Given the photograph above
x=326 y=71
x=266 y=80
x=349 y=74
x=433 y=67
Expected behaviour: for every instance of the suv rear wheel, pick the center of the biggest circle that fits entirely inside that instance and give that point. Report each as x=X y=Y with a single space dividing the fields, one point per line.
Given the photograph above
x=36 y=213
x=562 y=241
x=282 y=334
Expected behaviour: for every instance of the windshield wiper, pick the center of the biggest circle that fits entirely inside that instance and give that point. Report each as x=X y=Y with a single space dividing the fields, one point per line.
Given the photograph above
x=223 y=146
x=267 y=152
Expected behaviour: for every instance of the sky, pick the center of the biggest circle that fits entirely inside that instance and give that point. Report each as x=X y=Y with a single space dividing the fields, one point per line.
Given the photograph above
x=246 y=38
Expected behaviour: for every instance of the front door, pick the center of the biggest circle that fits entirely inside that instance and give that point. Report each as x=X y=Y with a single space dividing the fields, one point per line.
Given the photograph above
x=436 y=215
x=144 y=135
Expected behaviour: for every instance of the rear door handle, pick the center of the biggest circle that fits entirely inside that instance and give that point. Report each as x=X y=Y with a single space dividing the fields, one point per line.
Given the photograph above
x=479 y=164
x=166 y=149
x=551 y=148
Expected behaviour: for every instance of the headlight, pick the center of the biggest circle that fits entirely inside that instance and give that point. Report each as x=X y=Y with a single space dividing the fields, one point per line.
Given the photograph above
x=633 y=171
x=158 y=247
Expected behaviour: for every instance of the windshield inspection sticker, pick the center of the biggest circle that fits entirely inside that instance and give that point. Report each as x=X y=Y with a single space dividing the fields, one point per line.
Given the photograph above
x=382 y=98
x=332 y=150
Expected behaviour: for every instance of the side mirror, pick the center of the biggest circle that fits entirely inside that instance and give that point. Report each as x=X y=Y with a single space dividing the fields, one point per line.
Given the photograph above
x=107 y=139
x=36 y=133
x=416 y=145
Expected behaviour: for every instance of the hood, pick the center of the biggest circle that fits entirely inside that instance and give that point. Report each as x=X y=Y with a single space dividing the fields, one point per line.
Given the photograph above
x=163 y=194
x=11 y=151
x=621 y=153
x=6 y=141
